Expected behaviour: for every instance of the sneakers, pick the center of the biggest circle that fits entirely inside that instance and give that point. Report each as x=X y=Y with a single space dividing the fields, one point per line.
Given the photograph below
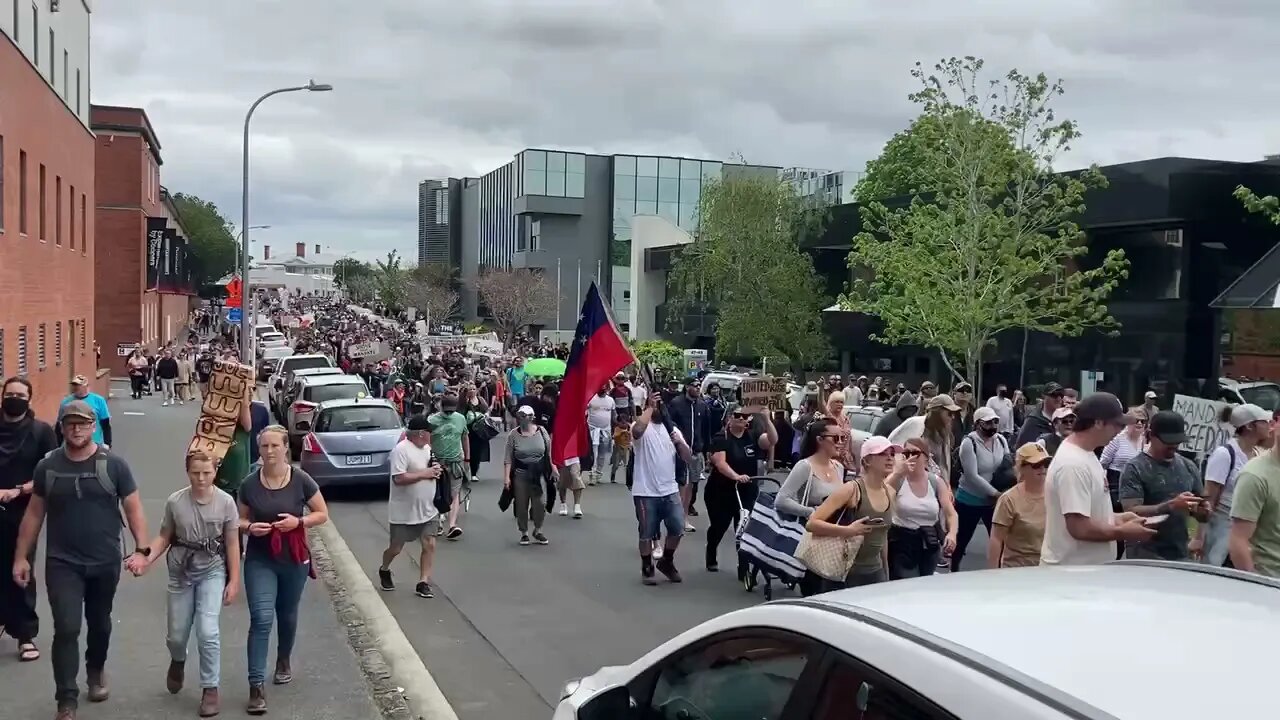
x=524 y=539
x=384 y=580
x=564 y=508
x=65 y=713
x=423 y=590
x=539 y=538
x=688 y=527
x=657 y=552
x=454 y=533
x=174 y=678
x=577 y=511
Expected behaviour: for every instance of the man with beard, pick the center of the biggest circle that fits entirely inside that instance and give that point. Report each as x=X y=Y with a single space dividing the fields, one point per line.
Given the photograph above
x=23 y=441
x=80 y=488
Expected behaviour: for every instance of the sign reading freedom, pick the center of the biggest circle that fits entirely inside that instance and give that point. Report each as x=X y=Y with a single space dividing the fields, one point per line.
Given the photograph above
x=230 y=388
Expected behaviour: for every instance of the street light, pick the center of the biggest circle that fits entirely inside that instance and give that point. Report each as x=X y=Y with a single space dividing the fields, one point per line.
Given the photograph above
x=246 y=293
x=240 y=235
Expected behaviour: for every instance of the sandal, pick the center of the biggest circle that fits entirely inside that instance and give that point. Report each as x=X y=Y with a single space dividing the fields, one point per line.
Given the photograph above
x=28 y=652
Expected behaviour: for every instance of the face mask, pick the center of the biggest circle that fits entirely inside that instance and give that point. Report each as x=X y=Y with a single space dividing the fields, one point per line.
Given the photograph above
x=1002 y=392
x=987 y=431
x=15 y=406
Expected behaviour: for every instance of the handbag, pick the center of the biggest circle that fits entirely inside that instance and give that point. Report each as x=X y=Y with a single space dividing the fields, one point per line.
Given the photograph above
x=1005 y=477
x=828 y=556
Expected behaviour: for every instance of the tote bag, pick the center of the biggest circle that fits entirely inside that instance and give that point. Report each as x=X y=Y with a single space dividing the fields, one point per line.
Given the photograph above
x=829 y=556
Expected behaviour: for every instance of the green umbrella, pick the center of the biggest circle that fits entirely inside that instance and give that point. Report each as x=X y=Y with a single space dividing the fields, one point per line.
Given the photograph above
x=544 y=367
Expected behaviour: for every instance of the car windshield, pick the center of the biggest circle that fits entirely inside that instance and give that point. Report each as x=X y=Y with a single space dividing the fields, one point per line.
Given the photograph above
x=1266 y=397
x=311 y=362
x=338 y=391
x=356 y=419
x=863 y=420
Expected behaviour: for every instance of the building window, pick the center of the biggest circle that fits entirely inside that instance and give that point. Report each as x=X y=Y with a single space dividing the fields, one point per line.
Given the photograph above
x=57 y=209
x=71 y=216
x=22 y=350
x=40 y=345
x=84 y=330
x=77 y=91
x=575 y=178
x=53 y=61
x=84 y=224
x=1 y=192
x=35 y=35
x=22 y=191
x=44 y=197
x=535 y=235
x=57 y=342
x=553 y=174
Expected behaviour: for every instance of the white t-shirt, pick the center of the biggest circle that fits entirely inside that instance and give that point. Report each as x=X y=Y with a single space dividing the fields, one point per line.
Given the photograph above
x=411 y=504
x=1003 y=407
x=1076 y=485
x=655 y=463
x=639 y=394
x=600 y=411
x=1222 y=470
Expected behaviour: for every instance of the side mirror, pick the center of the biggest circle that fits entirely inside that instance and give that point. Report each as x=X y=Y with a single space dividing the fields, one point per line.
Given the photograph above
x=613 y=704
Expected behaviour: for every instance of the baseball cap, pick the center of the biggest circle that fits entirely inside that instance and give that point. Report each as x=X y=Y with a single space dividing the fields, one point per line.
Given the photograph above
x=1242 y=415
x=1031 y=453
x=1053 y=388
x=1063 y=412
x=418 y=423
x=985 y=414
x=878 y=445
x=1169 y=427
x=1150 y=395
x=942 y=401
x=525 y=410
x=962 y=387
x=1105 y=407
x=78 y=409
x=79 y=380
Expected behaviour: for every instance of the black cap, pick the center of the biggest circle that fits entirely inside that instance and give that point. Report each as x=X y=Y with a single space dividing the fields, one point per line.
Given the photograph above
x=419 y=422
x=1053 y=388
x=1101 y=407
x=1168 y=427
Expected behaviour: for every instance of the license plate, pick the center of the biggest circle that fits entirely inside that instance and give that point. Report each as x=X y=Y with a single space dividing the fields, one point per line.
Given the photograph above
x=359 y=459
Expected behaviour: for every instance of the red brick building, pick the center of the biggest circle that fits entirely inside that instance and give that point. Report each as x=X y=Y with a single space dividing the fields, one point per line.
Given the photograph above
x=132 y=307
x=47 y=245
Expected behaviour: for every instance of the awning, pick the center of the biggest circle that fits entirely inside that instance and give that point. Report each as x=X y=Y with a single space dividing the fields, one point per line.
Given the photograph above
x=1256 y=288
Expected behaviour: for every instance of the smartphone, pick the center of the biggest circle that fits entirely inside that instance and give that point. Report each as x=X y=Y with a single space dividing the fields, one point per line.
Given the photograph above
x=874 y=521
x=1155 y=520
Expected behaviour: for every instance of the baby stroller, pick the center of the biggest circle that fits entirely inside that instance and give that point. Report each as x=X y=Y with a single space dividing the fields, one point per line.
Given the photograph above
x=767 y=543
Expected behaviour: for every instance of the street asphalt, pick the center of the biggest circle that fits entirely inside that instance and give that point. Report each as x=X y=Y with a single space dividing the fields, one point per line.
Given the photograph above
x=327 y=681
x=510 y=625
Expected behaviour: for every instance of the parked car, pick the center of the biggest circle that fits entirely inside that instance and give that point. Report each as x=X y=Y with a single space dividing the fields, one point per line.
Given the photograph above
x=864 y=418
x=351 y=442
x=1025 y=643
x=1265 y=395
x=309 y=393
x=270 y=361
x=283 y=378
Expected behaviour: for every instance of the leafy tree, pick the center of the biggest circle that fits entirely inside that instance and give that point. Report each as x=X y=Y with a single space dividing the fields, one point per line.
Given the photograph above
x=1268 y=206
x=389 y=278
x=212 y=237
x=993 y=246
x=516 y=298
x=437 y=274
x=659 y=354
x=361 y=289
x=747 y=266
x=348 y=269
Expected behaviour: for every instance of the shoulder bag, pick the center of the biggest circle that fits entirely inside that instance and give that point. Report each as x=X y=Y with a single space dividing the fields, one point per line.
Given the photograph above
x=829 y=556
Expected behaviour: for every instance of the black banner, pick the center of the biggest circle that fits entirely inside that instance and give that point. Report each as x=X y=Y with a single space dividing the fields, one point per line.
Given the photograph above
x=155 y=250
x=180 y=265
x=167 y=279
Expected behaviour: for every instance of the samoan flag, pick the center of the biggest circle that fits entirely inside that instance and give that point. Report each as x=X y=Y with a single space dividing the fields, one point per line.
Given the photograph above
x=598 y=353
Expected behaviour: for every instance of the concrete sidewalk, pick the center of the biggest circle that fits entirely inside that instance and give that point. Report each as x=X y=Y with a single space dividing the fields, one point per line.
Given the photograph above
x=328 y=680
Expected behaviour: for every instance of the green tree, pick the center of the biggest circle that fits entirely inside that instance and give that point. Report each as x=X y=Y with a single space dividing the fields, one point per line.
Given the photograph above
x=348 y=269
x=1268 y=205
x=747 y=265
x=993 y=246
x=659 y=354
x=390 y=279
x=902 y=168
x=212 y=237
x=361 y=289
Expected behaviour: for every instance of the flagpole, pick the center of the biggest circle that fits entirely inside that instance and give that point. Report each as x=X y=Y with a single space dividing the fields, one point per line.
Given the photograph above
x=579 y=296
x=599 y=271
x=558 y=327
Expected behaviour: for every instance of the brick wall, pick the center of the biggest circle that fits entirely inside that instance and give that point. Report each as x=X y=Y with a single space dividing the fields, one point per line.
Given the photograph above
x=120 y=276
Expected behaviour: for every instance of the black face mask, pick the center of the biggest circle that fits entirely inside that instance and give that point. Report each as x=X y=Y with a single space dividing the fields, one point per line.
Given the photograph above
x=15 y=406
x=1002 y=392
x=987 y=431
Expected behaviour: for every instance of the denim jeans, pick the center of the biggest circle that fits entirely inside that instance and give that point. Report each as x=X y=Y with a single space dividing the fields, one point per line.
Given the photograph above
x=170 y=394
x=73 y=591
x=1217 y=537
x=602 y=449
x=198 y=605
x=273 y=589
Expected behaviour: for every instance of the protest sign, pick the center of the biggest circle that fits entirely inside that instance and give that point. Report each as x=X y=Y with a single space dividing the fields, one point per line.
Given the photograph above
x=1204 y=432
x=444 y=341
x=371 y=351
x=763 y=393
x=230 y=387
x=477 y=345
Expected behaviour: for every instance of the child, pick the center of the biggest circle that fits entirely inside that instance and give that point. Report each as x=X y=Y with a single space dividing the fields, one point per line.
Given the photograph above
x=621 y=444
x=201 y=531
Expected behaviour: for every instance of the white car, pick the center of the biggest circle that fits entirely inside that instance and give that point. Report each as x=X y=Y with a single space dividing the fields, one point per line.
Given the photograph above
x=309 y=392
x=1107 y=642
x=1263 y=394
x=283 y=378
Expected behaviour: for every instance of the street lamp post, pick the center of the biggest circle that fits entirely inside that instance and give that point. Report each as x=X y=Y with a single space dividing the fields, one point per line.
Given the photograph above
x=240 y=235
x=246 y=292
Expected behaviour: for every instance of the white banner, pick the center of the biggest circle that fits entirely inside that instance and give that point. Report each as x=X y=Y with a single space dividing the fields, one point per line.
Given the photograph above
x=360 y=351
x=477 y=345
x=1204 y=432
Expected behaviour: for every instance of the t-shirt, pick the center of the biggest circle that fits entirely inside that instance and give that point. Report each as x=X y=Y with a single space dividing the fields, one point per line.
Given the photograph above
x=193 y=521
x=447 y=431
x=1023 y=515
x=204 y=369
x=1223 y=468
x=83 y=520
x=1151 y=482
x=100 y=409
x=655 y=463
x=1257 y=500
x=411 y=504
x=600 y=412
x=1077 y=485
x=267 y=505
x=515 y=381
x=741 y=453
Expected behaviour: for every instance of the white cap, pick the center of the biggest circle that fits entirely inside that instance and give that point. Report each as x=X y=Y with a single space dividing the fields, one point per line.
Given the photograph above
x=1063 y=412
x=1151 y=395
x=985 y=414
x=525 y=410
x=1242 y=415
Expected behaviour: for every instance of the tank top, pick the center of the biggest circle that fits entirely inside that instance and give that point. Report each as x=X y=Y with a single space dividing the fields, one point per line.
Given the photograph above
x=868 y=558
x=913 y=512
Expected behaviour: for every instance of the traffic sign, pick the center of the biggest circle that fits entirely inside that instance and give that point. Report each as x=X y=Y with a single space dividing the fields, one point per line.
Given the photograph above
x=233 y=315
x=234 y=289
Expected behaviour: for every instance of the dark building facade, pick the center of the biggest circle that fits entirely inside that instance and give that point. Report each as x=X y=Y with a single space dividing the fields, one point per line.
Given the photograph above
x=1187 y=240
x=439 y=223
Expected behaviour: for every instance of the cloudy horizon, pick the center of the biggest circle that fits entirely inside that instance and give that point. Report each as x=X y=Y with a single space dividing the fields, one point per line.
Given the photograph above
x=428 y=89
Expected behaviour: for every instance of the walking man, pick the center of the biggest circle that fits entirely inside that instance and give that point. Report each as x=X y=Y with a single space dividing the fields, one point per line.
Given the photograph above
x=411 y=510
x=80 y=488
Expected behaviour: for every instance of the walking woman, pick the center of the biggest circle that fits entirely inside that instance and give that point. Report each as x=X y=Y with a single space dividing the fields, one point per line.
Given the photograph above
x=277 y=504
x=981 y=453
x=835 y=412
x=867 y=502
x=24 y=440
x=474 y=408
x=526 y=468
x=735 y=459
x=139 y=368
x=1017 y=531
x=923 y=500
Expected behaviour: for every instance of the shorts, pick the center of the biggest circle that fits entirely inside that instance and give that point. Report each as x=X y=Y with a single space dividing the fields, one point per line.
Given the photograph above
x=418 y=532
x=654 y=512
x=571 y=477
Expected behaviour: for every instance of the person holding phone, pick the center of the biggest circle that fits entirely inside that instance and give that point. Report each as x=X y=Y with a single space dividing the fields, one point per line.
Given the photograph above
x=869 y=501
x=1160 y=482
x=654 y=490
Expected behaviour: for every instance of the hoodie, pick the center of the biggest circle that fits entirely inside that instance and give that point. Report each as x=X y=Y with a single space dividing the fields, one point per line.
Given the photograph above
x=1036 y=424
x=890 y=421
x=22 y=445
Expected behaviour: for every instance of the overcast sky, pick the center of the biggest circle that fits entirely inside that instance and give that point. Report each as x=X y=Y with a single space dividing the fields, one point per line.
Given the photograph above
x=431 y=88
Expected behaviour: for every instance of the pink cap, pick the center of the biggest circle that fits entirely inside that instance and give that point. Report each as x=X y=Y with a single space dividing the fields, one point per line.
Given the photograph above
x=877 y=445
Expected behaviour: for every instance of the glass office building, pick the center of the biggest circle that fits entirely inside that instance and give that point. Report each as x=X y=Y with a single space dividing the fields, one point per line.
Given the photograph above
x=647 y=185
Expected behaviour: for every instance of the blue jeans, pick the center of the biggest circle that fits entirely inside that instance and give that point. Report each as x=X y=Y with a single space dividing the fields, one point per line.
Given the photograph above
x=198 y=605
x=273 y=590
x=652 y=513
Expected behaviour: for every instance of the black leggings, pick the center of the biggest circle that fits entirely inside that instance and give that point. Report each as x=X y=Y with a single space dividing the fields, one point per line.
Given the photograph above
x=970 y=515
x=137 y=383
x=722 y=509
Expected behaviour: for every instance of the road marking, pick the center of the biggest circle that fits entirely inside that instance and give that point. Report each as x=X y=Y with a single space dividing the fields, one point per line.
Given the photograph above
x=127 y=412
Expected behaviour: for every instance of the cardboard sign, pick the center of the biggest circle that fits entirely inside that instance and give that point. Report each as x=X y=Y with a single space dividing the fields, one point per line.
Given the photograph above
x=764 y=393
x=1204 y=432
x=369 y=351
x=444 y=341
x=477 y=345
x=230 y=387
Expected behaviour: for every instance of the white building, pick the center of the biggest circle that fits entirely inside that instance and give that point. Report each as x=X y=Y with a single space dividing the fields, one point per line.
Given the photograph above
x=299 y=273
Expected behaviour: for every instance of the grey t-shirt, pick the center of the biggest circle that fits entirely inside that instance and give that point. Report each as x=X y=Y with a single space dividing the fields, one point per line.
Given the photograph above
x=525 y=451
x=83 y=521
x=267 y=505
x=803 y=491
x=1151 y=482
x=196 y=522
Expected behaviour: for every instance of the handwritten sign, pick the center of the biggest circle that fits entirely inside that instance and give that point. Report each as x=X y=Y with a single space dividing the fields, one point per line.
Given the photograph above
x=230 y=387
x=371 y=351
x=1204 y=432
x=477 y=345
x=764 y=393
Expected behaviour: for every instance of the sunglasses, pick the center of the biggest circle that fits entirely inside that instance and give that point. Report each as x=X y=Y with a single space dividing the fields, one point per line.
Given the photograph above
x=835 y=438
x=911 y=454
x=741 y=416
x=1039 y=466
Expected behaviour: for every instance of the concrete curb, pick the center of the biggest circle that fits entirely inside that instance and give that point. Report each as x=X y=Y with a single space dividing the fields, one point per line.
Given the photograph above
x=406 y=668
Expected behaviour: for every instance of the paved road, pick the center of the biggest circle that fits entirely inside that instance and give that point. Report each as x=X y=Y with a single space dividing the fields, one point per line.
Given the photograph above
x=327 y=681
x=510 y=625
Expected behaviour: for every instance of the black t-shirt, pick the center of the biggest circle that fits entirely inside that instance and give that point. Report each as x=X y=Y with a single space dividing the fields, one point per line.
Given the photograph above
x=204 y=368
x=82 y=517
x=742 y=454
x=266 y=505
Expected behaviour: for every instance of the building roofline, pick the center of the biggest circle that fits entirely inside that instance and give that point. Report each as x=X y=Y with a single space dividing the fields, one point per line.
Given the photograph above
x=148 y=131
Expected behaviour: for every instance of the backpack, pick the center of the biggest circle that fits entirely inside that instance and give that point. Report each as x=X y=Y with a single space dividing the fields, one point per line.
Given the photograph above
x=100 y=469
